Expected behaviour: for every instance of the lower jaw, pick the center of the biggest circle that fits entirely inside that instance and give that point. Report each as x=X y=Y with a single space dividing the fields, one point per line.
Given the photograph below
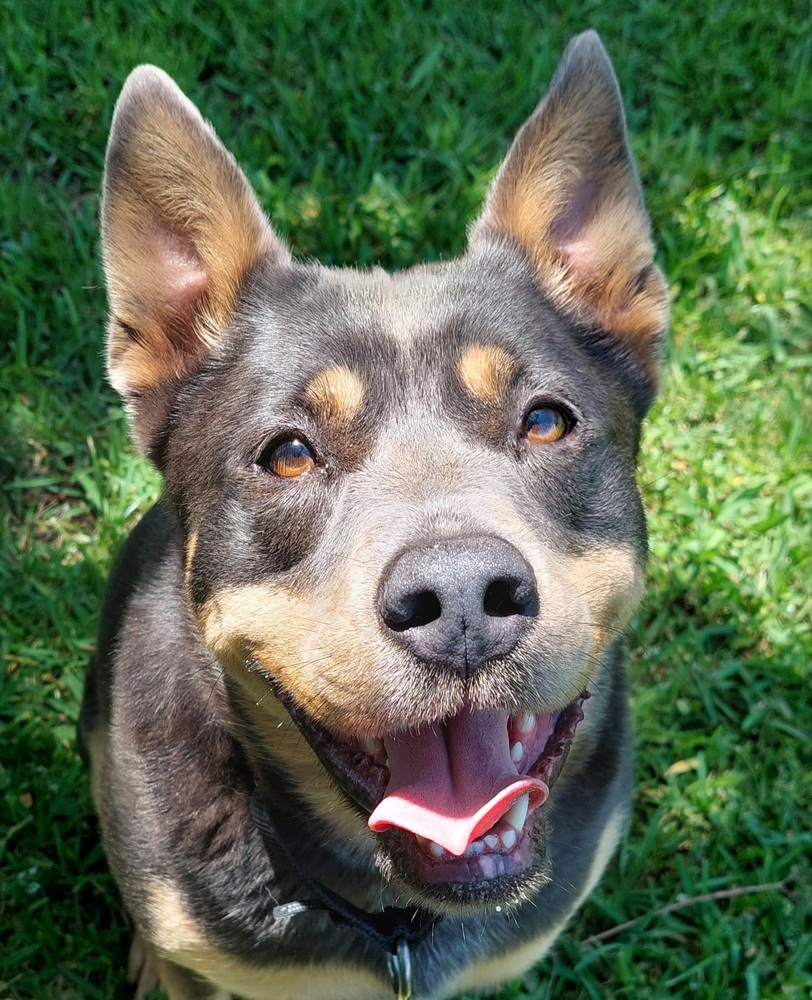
x=458 y=884
x=486 y=867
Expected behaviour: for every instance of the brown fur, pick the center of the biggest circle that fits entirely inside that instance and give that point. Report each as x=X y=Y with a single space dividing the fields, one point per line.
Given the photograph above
x=337 y=393
x=610 y=581
x=191 y=548
x=485 y=372
x=188 y=943
x=321 y=655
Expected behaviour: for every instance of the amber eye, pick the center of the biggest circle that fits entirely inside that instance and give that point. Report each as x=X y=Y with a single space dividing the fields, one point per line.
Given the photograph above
x=545 y=424
x=288 y=459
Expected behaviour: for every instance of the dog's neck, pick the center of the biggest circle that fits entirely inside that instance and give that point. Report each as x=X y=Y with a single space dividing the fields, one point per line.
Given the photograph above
x=330 y=834
x=396 y=930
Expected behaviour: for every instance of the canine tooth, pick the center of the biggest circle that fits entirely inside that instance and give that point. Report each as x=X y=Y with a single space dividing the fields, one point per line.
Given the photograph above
x=517 y=814
x=527 y=723
x=372 y=746
x=508 y=837
x=491 y=840
x=436 y=850
x=517 y=752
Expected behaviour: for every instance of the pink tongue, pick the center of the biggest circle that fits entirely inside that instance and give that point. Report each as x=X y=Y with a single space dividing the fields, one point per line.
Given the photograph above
x=451 y=782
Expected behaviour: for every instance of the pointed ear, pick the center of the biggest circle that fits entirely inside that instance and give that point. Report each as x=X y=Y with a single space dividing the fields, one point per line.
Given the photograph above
x=568 y=193
x=180 y=228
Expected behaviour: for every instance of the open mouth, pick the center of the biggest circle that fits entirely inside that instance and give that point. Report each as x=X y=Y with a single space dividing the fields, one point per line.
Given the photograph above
x=455 y=803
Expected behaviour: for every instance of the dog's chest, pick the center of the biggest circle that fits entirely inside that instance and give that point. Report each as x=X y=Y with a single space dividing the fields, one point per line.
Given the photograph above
x=345 y=981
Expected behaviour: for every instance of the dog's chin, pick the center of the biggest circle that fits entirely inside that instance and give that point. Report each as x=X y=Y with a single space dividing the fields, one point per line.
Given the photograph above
x=504 y=863
x=449 y=885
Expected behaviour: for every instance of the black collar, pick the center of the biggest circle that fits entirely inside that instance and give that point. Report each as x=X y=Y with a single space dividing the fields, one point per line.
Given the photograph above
x=397 y=930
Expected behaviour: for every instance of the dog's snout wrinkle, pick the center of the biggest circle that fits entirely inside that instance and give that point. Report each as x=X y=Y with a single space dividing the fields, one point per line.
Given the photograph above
x=459 y=602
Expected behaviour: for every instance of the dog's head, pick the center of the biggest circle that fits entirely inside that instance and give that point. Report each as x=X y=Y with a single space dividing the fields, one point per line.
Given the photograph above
x=408 y=501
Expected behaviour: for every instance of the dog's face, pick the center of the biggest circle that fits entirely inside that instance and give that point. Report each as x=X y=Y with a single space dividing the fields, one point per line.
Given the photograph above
x=408 y=501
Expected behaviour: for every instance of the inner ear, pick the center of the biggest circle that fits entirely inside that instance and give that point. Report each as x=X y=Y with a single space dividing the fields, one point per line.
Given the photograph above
x=174 y=282
x=574 y=215
x=184 y=275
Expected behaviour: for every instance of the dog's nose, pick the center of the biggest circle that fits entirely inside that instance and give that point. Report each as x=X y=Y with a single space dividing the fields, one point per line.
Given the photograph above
x=459 y=602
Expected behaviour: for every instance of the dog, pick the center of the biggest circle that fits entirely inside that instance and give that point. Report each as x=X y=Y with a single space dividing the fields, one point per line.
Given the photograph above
x=357 y=721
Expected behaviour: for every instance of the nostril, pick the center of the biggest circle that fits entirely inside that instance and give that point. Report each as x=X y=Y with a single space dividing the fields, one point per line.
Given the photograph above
x=506 y=597
x=413 y=610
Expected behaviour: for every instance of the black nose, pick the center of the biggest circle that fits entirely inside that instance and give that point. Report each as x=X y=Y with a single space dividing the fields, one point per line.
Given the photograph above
x=459 y=602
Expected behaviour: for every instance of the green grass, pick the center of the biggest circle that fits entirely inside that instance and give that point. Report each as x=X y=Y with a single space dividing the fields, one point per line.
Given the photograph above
x=370 y=132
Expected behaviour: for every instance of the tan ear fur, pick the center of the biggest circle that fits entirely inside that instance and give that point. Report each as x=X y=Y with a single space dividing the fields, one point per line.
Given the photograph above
x=180 y=228
x=568 y=193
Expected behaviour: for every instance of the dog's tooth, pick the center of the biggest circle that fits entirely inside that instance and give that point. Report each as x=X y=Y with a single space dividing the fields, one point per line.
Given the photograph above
x=527 y=723
x=491 y=840
x=508 y=837
x=517 y=752
x=372 y=746
x=474 y=848
x=488 y=866
x=436 y=850
x=517 y=814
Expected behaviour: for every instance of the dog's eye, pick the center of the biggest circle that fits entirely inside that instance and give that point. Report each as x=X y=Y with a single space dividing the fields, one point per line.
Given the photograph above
x=545 y=424
x=288 y=459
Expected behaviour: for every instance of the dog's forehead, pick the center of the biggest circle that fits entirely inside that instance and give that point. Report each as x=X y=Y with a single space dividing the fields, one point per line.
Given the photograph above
x=329 y=331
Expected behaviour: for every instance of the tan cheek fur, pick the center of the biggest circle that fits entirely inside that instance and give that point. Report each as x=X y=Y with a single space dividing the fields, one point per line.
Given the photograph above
x=275 y=729
x=610 y=582
x=324 y=654
x=322 y=667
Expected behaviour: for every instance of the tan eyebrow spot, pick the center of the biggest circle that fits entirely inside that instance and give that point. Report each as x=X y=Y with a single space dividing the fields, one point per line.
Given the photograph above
x=337 y=393
x=485 y=371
